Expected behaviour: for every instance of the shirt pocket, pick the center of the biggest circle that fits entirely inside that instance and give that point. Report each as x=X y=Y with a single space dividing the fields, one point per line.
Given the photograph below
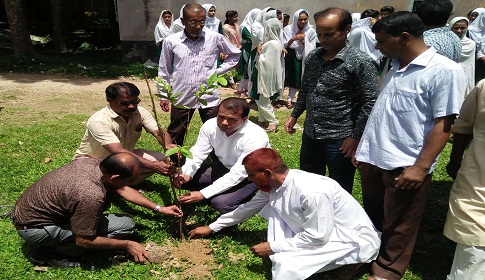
x=404 y=100
x=208 y=58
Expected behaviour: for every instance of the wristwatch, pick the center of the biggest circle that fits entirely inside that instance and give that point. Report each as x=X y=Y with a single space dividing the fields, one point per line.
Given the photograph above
x=156 y=208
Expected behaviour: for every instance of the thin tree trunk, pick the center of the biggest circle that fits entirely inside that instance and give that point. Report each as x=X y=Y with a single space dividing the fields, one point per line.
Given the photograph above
x=113 y=19
x=59 y=26
x=19 y=32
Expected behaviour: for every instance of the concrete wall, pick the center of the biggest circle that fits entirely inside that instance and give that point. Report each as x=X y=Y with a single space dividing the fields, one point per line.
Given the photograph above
x=137 y=18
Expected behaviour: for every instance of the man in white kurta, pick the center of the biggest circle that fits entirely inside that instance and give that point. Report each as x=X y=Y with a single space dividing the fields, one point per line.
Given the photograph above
x=465 y=223
x=313 y=224
x=224 y=180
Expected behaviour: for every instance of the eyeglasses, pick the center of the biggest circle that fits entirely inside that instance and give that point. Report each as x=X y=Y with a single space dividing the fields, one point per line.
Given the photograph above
x=127 y=103
x=194 y=23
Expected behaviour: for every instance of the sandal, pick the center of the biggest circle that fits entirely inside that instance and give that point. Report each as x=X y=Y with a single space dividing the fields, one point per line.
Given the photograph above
x=272 y=128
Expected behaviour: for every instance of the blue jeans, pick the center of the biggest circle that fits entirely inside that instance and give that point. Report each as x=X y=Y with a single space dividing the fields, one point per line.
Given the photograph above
x=227 y=201
x=62 y=239
x=318 y=154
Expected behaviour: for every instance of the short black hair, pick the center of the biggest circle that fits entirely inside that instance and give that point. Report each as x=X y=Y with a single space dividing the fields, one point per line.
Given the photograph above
x=113 y=90
x=166 y=12
x=434 y=12
x=122 y=164
x=370 y=13
x=397 y=23
x=286 y=16
x=388 y=9
x=234 y=105
x=317 y=14
x=344 y=15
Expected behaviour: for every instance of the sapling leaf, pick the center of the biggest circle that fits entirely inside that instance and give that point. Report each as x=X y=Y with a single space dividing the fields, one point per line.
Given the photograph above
x=177 y=95
x=186 y=152
x=222 y=80
x=182 y=107
x=203 y=102
x=172 y=151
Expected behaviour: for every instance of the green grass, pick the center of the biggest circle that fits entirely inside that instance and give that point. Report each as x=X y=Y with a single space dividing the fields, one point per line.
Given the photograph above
x=25 y=144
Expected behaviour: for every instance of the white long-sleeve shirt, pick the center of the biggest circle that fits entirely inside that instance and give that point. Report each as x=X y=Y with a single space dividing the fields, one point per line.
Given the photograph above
x=314 y=225
x=230 y=150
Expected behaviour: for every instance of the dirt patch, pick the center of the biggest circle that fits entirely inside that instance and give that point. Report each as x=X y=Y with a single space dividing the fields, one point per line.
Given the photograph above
x=193 y=257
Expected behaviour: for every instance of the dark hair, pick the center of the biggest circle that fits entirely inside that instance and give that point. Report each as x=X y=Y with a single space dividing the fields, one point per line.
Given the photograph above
x=434 y=12
x=278 y=13
x=265 y=158
x=397 y=23
x=344 y=15
x=286 y=16
x=469 y=14
x=230 y=14
x=113 y=90
x=370 y=13
x=388 y=9
x=192 y=8
x=462 y=20
x=122 y=164
x=317 y=14
x=235 y=105
x=166 y=13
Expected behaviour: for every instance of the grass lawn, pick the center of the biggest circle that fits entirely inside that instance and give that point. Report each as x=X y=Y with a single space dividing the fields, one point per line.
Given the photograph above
x=26 y=141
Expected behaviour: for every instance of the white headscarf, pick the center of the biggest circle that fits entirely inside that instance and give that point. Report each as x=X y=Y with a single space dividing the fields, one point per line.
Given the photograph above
x=162 y=31
x=270 y=74
x=257 y=29
x=361 y=37
x=355 y=17
x=177 y=25
x=467 y=57
x=249 y=19
x=290 y=31
x=476 y=29
x=212 y=23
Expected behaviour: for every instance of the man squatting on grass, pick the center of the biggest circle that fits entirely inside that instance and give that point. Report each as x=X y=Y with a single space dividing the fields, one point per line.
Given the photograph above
x=61 y=215
x=314 y=225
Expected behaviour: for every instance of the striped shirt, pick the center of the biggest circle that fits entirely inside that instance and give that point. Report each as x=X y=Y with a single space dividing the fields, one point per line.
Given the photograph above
x=187 y=63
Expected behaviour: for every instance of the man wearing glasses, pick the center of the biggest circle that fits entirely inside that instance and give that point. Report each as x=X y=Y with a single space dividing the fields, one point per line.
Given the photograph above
x=117 y=127
x=188 y=58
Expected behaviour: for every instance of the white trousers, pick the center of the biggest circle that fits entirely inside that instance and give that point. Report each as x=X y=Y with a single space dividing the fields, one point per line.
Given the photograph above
x=468 y=263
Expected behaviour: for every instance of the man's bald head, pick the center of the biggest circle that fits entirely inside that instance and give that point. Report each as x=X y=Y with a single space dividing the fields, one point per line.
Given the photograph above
x=345 y=18
x=192 y=8
x=123 y=164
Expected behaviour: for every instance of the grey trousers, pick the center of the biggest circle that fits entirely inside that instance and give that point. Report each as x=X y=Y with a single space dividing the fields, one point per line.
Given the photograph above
x=62 y=239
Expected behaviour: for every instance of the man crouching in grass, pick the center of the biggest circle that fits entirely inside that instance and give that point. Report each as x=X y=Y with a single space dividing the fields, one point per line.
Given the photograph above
x=61 y=215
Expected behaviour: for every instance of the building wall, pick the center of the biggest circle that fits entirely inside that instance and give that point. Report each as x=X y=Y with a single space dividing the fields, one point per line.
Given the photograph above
x=138 y=19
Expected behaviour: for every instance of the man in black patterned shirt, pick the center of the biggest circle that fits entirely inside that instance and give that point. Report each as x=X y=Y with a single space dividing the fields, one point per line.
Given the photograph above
x=339 y=88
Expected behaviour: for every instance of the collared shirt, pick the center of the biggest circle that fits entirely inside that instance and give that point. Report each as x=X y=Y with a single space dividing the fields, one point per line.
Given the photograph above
x=187 y=63
x=230 y=150
x=312 y=222
x=444 y=41
x=411 y=98
x=337 y=94
x=107 y=127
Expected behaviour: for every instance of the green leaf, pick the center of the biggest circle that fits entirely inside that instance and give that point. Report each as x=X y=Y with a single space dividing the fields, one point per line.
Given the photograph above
x=177 y=95
x=172 y=151
x=160 y=96
x=222 y=80
x=203 y=102
x=182 y=107
x=186 y=152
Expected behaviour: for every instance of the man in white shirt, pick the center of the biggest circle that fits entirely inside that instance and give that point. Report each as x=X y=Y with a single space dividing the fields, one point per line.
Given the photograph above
x=224 y=181
x=404 y=135
x=314 y=225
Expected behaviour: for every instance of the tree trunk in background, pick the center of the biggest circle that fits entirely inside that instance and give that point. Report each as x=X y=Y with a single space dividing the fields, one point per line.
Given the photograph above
x=19 y=32
x=113 y=19
x=58 y=26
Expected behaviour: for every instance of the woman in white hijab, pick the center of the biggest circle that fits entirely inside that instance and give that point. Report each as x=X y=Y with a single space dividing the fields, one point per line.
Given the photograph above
x=362 y=37
x=163 y=29
x=270 y=77
x=476 y=30
x=299 y=39
x=257 y=33
x=212 y=23
x=177 y=24
x=459 y=26
x=246 y=42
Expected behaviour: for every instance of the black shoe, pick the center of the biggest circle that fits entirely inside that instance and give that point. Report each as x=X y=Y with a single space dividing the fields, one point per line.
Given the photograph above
x=48 y=256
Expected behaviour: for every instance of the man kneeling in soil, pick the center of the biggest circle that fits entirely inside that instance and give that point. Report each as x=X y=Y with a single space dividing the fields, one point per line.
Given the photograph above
x=117 y=127
x=314 y=225
x=61 y=215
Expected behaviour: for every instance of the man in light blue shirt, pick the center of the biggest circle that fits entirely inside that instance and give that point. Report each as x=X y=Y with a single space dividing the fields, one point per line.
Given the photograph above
x=404 y=135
